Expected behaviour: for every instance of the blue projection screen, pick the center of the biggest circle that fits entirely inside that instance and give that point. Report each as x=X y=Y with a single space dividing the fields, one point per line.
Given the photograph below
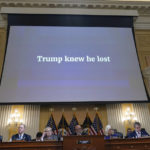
x=71 y=64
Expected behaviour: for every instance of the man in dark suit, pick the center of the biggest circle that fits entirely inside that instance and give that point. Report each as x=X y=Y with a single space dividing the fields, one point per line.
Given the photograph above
x=138 y=132
x=21 y=135
x=129 y=131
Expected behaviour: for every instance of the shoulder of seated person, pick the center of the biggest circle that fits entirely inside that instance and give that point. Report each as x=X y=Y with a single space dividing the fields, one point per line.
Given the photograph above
x=15 y=135
x=26 y=134
x=143 y=130
x=133 y=132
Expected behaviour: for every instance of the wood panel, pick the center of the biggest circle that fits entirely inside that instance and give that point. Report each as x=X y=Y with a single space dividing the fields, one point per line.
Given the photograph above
x=113 y=144
x=83 y=143
x=47 y=145
x=2 y=47
x=143 y=47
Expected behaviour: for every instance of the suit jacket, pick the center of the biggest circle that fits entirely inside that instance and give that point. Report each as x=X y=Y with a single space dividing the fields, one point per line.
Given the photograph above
x=119 y=135
x=1 y=138
x=26 y=137
x=127 y=136
x=113 y=136
x=83 y=133
x=53 y=137
x=134 y=135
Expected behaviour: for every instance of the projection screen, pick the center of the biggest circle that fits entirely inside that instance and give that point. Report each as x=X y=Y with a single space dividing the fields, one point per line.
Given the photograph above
x=71 y=64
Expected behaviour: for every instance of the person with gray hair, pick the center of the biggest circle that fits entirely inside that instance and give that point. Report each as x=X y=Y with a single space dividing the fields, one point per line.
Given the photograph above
x=78 y=130
x=48 y=135
x=138 y=131
x=109 y=133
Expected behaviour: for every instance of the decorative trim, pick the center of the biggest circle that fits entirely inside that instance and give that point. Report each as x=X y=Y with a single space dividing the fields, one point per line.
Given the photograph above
x=77 y=4
x=72 y=11
x=142 y=22
x=89 y=6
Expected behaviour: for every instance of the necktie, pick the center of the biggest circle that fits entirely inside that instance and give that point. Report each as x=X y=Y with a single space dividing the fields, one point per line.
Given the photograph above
x=139 y=134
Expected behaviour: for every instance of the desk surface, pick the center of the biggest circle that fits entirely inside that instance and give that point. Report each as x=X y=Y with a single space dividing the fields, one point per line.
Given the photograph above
x=114 y=144
x=46 y=145
x=128 y=144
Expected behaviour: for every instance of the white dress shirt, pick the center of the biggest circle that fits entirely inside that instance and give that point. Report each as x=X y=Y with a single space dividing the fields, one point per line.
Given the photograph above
x=138 y=134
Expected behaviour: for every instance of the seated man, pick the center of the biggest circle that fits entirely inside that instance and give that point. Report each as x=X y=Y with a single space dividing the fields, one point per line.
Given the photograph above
x=21 y=135
x=138 y=132
x=38 y=137
x=129 y=131
x=78 y=130
x=61 y=133
x=118 y=134
x=48 y=135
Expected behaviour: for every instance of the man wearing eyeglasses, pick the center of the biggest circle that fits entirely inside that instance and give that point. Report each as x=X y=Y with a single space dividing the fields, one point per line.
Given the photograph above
x=138 y=131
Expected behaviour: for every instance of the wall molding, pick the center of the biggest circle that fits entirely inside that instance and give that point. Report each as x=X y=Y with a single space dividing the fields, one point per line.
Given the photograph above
x=72 y=11
x=143 y=8
x=3 y=20
x=119 y=4
x=85 y=6
x=140 y=22
x=146 y=74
